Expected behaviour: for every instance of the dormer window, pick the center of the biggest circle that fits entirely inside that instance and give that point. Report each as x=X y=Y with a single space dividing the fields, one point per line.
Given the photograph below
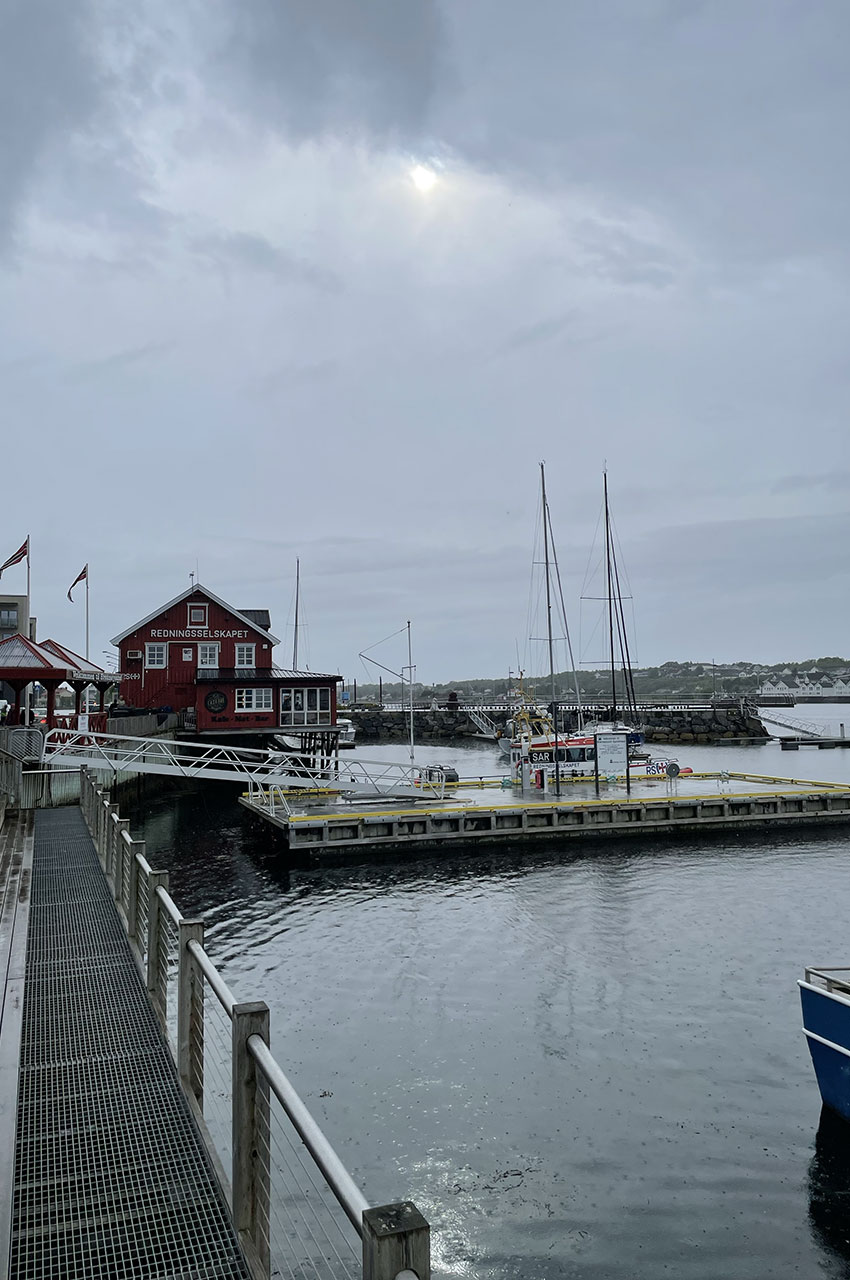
x=197 y=615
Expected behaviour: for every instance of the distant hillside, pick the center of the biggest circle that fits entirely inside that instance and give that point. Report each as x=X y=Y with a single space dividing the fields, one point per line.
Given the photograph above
x=669 y=681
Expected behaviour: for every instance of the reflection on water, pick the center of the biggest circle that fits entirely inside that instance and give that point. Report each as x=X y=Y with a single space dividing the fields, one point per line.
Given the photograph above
x=829 y=1187
x=580 y=1062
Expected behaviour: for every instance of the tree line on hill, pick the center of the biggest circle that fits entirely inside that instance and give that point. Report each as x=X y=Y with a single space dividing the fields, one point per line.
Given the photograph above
x=667 y=682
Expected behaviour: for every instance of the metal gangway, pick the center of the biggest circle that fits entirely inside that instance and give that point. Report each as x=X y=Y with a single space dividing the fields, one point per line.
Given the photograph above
x=487 y=727
x=258 y=771
x=805 y=728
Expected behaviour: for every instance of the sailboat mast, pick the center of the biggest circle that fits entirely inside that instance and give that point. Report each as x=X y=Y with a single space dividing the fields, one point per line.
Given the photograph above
x=297 y=596
x=549 y=623
x=410 y=674
x=610 y=592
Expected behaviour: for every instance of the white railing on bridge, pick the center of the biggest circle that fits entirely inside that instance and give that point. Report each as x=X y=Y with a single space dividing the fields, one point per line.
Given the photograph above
x=255 y=768
x=283 y=1181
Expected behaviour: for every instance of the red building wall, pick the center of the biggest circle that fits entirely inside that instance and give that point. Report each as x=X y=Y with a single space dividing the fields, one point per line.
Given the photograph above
x=180 y=684
x=174 y=685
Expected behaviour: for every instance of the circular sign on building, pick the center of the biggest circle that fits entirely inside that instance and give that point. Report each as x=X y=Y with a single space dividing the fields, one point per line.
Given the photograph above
x=216 y=701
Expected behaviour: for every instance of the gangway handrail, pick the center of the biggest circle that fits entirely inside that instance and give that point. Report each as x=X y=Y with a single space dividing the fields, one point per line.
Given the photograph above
x=337 y=1176
x=136 y=887
x=251 y=766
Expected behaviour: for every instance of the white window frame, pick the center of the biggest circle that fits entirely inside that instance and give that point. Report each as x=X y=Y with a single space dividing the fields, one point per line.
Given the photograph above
x=253 y=661
x=305 y=706
x=207 y=666
x=155 y=647
x=197 y=605
x=247 y=699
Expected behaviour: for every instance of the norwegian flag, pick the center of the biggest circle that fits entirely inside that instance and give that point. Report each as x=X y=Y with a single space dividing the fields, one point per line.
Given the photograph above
x=82 y=576
x=22 y=553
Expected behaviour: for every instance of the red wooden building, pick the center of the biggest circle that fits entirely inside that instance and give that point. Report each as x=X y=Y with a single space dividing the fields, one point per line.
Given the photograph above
x=199 y=654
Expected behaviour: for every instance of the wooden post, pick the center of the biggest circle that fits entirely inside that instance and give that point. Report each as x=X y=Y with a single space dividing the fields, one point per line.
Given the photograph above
x=121 y=852
x=396 y=1243
x=156 y=987
x=98 y=826
x=190 y=1012
x=251 y=1139
x=137 y=847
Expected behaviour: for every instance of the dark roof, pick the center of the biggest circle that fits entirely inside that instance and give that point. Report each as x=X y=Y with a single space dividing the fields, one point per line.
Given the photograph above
x=260 y=617
x=248 y=675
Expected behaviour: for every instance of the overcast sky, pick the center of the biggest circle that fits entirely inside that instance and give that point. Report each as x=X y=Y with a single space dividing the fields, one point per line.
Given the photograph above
x=235 y=331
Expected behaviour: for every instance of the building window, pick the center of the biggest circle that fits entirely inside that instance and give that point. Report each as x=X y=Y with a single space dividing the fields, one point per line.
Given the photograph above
x=156 y=655
x=254 y=700
x=197 y=615
x=305 y=706
x=9 y=618
x=245 y=655
x=207 y=655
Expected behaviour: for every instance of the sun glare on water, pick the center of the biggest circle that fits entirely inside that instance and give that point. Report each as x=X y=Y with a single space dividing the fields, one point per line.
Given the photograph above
x=423 y=179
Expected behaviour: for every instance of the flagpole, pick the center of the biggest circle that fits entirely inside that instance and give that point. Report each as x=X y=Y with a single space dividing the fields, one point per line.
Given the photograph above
x=28 y=697
x=87 y=613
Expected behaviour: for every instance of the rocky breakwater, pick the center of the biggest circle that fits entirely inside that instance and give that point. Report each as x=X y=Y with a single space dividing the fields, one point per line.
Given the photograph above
x=703 y=724
x=428 y=726
x=738 y=721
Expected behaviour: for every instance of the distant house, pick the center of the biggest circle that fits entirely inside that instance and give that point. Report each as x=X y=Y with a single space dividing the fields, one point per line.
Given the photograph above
x=200 y=655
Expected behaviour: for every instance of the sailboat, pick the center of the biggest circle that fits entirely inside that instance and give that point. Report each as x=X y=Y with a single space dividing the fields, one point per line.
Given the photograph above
x=532 y=734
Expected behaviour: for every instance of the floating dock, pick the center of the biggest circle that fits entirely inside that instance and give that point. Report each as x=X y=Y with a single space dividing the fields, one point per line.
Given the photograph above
x=740 y=801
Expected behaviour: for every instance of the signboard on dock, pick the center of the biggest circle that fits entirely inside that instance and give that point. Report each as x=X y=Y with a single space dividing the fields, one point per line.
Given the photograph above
x=612 y=756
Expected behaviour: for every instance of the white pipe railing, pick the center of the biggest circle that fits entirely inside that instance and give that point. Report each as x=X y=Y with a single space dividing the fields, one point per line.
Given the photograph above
x=395 y=1238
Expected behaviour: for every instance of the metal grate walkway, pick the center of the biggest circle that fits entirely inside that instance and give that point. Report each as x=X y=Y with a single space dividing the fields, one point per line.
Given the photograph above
x=111 y=1175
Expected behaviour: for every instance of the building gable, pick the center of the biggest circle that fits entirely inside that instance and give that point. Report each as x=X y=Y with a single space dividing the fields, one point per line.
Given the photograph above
x=177 y=621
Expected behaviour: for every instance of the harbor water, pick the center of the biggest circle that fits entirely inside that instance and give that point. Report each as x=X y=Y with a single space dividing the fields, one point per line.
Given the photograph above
x=580 y=1063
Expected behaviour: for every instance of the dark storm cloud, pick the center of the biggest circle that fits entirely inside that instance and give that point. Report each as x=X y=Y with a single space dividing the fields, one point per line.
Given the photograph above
x=541 y=331
x=733 y=114
x=116 y=361
x=254 y=253
x=48 y=87
x=831 y=481
x=316 y=66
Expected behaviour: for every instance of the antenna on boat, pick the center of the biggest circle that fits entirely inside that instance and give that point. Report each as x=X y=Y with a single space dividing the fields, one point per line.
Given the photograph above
x=297 y=599
x=549 y=623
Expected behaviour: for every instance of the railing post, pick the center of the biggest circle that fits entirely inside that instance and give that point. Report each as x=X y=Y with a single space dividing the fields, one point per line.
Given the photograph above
x=396 y=1243
x=156 y=985
x=121 y=825
x=103 y=828
x=137 y=847
x=190 y=1012
x=251 y=1138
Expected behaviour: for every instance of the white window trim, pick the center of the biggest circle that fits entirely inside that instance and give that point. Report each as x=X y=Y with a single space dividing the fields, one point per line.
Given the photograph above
x=197 y=605
x=156 y=666
x=304 y=717
x=253 y=692
x=208 y=666
x=246 y=665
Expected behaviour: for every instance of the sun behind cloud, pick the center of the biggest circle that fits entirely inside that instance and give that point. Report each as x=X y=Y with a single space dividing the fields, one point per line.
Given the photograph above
x=422 y=177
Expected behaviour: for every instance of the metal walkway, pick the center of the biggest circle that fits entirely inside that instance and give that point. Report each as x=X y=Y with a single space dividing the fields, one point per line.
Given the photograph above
x=250 y=767
x=111 y=1176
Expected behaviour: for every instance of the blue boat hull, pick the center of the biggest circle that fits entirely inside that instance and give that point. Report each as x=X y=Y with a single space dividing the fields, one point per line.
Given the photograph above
x=826 y=1022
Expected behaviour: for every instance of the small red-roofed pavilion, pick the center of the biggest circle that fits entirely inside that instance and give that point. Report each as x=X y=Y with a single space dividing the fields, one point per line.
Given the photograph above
x=22 y=662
